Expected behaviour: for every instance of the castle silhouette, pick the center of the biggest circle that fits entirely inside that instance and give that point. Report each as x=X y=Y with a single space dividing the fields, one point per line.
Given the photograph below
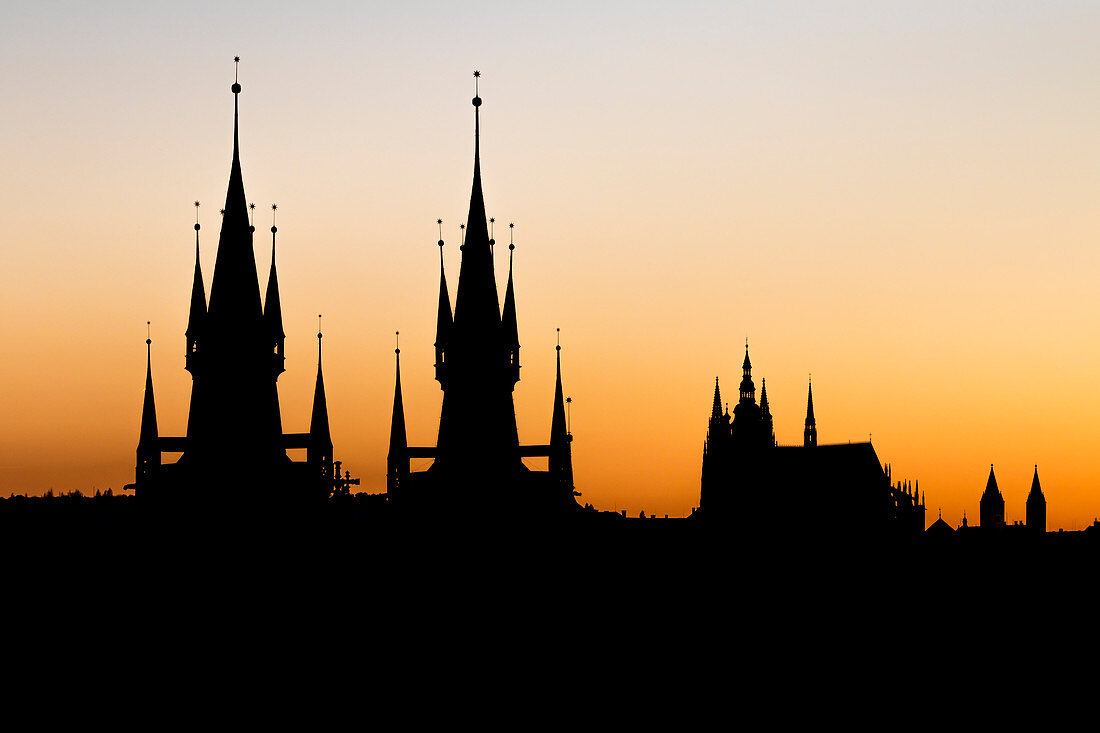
x=749 y=480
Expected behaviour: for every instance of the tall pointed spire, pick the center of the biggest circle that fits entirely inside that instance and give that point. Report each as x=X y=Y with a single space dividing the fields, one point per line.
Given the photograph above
x=558 y=428
x=477 y=309
x=716 y=408
x=197 y=314
x=149 y=407
x=397 y=460
x=810 y=433
x=318 y=423
x=747 y=388
x=273 y=310
x=444 y=321
x=561 y=454
x=992 y=504
x=766 y=414
x=1036 y=507
x=475 y=221
x=235 y=288
x=508 y=322
x=148 y=450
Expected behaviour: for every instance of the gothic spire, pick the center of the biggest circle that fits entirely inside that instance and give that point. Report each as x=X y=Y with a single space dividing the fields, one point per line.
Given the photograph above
x=148 y=436
x=1036 y=506
x=509 y=324
x=318 y=424
x=476 y=303
x=716 y=408
x=273 y=312
x=399 y=444
x=558 y=429
x=1036 y=490
x=748 y=389
x=766 y=413
x=198 y=291
x=235 y=288
x=810 y=433
x=560 y=462
x=991 y=484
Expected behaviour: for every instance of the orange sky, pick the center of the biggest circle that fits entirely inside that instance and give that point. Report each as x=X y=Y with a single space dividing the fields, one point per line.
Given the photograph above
x=899 y=200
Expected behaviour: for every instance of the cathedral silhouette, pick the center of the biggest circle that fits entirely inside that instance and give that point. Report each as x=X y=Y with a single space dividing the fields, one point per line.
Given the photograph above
x=235 y=448
x=749 y=480
x=478 y=466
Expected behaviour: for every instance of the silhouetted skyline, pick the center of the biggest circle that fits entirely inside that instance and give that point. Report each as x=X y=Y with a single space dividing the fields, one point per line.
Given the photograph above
x=897 y=200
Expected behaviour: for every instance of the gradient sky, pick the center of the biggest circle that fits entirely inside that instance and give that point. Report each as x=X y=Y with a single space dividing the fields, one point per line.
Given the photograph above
x=896 y=197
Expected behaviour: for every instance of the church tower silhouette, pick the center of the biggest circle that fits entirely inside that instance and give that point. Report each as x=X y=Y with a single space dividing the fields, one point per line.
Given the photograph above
x=235 y=446
x=1036 y=506
x=478 y=468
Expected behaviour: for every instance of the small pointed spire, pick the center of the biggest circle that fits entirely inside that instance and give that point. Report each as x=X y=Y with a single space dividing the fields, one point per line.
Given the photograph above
x=746 y=364
x=1035 y=488
x=198 y=291
x=398 y=457
x=444 y=318
x=991 y=482
x=559 y=429
x=509 y=323
x=318 y=424
x=273 y=311
x=148 y=408
x=810 y=433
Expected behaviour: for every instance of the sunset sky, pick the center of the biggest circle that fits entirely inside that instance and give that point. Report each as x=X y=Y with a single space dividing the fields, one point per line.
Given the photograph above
x=897 y=197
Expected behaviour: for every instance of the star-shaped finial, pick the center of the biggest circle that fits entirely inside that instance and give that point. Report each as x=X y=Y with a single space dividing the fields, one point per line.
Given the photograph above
x=196 y=204
x=274 y=207
x=221 y=211
x=477 y=74
x=236 y=59
x=438 y=221
x=252 y=207
x=511 y=225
